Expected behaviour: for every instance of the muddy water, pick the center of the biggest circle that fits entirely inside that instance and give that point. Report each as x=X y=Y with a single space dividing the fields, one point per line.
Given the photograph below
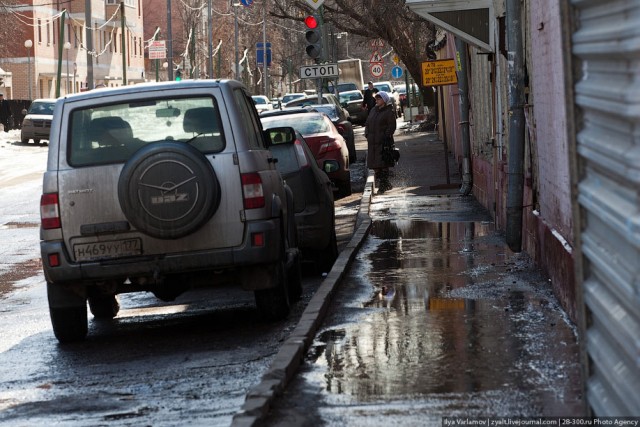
x=445 y=311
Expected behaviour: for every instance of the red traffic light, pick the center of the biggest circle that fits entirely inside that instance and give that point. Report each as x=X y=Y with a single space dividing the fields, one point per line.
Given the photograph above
x=311 y=22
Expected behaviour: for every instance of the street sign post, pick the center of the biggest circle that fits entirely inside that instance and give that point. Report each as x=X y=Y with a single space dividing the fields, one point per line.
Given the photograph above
x=315 y=4
x=440 y=72
x=319 y=71
x=260 y=54
x=376 y=58
x=157 y=49
x=376 y=69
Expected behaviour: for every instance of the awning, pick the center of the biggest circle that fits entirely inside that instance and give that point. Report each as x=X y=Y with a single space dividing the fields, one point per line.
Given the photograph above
x=470 y=20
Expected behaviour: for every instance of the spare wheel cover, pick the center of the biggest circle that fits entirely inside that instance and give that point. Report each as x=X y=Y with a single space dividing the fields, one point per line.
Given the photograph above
x=168 y=190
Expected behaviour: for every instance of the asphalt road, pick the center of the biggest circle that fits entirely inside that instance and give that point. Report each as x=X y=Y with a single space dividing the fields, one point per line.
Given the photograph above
x=156 y=364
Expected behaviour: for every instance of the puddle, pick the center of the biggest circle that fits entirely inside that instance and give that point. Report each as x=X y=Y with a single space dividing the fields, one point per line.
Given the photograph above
x=15 y=225
x=447 y=309
x=18 y=272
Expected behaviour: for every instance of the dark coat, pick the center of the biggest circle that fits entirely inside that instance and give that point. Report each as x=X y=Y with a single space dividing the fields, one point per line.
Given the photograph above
x=380 y=124
x=369 y=101
x=5 y=113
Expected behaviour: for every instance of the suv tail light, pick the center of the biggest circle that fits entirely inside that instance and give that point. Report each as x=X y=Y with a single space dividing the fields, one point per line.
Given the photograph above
x=50 y=211
x=252 y=191
x=330 y=145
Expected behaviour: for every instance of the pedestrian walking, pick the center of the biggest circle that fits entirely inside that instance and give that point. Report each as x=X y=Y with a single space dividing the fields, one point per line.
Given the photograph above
x=379 y=129
x=369 y=102
x=5 y=113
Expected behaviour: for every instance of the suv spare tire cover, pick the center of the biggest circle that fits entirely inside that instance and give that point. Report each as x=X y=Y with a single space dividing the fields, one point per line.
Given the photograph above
x=168 y=190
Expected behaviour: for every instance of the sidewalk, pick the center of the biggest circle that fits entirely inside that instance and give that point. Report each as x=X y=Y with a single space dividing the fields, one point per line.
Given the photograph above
x=426 y=314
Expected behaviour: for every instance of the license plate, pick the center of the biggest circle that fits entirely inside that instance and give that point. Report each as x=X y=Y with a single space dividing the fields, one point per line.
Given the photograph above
x=111 y=249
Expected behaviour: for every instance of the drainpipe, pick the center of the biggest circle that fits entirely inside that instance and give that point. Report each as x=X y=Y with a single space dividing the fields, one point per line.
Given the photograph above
x=515 y=176
x=463 y=89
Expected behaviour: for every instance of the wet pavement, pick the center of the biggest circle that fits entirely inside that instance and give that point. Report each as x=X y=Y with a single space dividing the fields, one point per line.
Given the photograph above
x=435 y=317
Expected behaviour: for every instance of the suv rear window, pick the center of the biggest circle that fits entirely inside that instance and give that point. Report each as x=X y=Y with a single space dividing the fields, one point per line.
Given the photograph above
x=112 y=133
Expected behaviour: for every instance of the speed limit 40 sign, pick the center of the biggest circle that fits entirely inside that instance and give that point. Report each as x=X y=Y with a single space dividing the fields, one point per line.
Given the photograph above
x=376 y=70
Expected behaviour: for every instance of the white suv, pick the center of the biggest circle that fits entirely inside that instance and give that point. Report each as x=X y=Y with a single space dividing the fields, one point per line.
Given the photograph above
x=159 y=188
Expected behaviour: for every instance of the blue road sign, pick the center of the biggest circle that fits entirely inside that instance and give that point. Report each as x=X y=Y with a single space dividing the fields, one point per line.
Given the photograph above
x=396 y=72
x=260 y=54
x=246 y=2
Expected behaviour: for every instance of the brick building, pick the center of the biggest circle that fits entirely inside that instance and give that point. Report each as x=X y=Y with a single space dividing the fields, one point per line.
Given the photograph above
x=54 y=50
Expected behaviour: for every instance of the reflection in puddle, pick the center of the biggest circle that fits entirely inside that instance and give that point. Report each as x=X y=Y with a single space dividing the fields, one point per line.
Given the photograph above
x=451 y=311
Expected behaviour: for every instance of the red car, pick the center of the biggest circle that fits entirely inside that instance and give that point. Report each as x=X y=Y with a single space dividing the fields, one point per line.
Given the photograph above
x=327 y=145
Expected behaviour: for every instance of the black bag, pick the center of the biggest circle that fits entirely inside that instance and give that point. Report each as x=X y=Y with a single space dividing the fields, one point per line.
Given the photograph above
x=390 y=154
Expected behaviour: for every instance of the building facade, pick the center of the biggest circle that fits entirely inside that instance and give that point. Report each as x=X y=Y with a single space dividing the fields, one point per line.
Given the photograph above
x=72 y=46
x=543 y=123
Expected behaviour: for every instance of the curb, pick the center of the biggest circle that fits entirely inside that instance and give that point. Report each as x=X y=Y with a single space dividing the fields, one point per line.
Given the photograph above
x=259 y=398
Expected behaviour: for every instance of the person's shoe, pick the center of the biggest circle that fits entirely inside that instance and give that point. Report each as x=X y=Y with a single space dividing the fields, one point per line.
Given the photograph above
x=384 y=187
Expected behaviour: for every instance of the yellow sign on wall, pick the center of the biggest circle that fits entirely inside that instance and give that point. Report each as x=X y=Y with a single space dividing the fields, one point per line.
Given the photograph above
x=440 y=72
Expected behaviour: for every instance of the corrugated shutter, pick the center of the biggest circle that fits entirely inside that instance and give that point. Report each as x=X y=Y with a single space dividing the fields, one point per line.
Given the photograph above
x=607 y=43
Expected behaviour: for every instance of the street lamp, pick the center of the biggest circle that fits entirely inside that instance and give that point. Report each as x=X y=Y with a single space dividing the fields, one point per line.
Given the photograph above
x=67 y=47
x=235 y=16
x=28 y=44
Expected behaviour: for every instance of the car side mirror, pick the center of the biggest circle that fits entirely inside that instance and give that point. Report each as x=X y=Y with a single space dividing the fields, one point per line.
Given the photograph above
x=280 y=135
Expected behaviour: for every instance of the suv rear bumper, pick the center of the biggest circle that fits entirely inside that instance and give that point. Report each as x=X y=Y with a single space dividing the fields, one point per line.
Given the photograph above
x=160 y=265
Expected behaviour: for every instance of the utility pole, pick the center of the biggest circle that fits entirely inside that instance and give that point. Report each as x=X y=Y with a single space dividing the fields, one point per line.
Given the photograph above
x=61 y=37
x=169 y=42
x=89 y=25
x=264 y=49
x=210 y=41
x=123 y=39
x=157 y=61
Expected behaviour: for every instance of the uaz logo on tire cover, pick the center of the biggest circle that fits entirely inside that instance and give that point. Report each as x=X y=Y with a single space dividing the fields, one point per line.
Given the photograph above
x=170 y=198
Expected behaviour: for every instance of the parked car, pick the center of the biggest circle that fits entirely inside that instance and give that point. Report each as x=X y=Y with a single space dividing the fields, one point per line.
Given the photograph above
x=328 y=146
x=402 y=94
x=352 y=101
x=262 y=103
x=162 y=187
x=338 y=115
x=285 y=111
x=36 y=124
x=342 y=87
x=388 y=87
x=313 y=199
x=291 y=96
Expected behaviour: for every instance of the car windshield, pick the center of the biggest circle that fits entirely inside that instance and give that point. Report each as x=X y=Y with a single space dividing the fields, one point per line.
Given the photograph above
x=291 y=97
x=383 y=86
x=40 y=107
x=259 y=100
x=308 y=125
x=111 y=133
x=328 y=109
x=350 y=96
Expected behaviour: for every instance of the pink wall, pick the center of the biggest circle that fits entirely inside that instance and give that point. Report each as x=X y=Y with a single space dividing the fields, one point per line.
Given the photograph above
x=550 y=126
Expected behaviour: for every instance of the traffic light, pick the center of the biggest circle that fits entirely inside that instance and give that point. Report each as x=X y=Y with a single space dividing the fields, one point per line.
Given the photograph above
x=178 y=74
x=313 y=36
